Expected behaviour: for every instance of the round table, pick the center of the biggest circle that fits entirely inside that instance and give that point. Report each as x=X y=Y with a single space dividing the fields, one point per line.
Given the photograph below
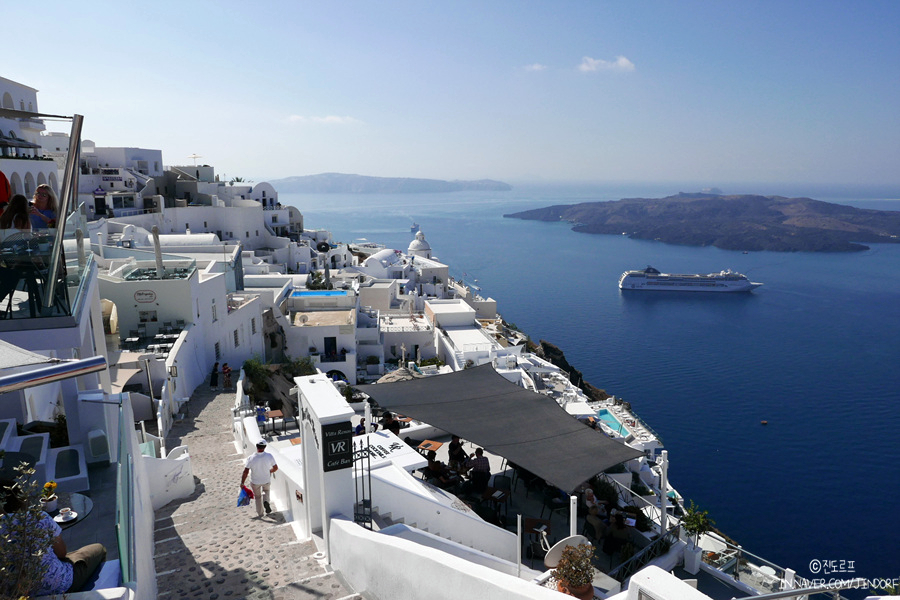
x=81 y=504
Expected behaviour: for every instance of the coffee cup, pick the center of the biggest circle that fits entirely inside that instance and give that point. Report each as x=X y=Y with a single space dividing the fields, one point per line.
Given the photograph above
x=65 y=513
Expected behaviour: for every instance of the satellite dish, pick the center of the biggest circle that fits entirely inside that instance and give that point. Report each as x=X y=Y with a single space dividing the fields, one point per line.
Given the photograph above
x=323 y=246
x=551 y=560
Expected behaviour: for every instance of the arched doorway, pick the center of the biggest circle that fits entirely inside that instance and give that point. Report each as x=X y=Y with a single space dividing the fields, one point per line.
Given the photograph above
x=336 y=375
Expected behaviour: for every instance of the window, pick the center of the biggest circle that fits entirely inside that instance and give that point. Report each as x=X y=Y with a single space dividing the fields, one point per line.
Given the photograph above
x=253 y=326
x=214 y=311
x=237 y=341
x=218 y=354
x=257 y=233
x=147 y=316
x=205 y=225
x=247 y=233
x=274 y=218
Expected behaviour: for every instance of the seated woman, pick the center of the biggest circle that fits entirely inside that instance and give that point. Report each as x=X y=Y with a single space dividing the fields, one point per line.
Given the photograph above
x=43 y=211
x=64 y=572
x=438 y=471
x=14 y=220
x=617 y=534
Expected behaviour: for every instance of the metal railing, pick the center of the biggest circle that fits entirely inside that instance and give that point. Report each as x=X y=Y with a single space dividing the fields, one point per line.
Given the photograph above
x=657 y=547
x=628 y=497
x=67 y=197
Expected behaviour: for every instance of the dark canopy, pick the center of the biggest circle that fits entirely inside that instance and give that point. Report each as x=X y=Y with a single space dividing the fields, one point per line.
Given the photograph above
x=525 y=427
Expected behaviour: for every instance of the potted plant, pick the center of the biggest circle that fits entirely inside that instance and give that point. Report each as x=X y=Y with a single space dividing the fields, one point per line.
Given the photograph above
x=696 y=522
x=49 y=497
x=574 y=573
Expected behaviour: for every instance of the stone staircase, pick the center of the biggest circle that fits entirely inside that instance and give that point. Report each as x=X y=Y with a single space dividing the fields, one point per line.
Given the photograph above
x=208 y=548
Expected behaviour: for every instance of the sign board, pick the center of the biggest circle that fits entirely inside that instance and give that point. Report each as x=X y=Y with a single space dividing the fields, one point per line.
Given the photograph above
x=337 y=446
x=382 y=447
x=145 y=296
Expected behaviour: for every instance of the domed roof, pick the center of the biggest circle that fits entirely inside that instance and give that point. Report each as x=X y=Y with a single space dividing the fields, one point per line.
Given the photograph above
x=419 y=244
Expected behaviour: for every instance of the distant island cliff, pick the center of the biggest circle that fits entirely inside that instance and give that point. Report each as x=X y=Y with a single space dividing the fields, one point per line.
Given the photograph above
x=340 y=183
x=739 y=222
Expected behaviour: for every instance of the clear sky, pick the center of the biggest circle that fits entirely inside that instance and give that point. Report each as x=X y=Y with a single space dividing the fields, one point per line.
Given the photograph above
x=762 y=91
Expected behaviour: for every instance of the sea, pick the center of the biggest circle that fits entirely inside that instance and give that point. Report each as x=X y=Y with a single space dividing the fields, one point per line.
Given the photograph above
x=778 y=408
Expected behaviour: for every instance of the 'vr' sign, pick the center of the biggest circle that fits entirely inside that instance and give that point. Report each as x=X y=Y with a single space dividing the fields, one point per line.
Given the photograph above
x=337 y=447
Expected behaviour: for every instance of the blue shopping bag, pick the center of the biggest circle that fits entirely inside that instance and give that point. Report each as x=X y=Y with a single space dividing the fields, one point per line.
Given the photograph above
x=245 y=496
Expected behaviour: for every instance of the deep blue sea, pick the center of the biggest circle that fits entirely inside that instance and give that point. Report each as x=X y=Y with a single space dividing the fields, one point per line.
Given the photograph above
x=815 y=352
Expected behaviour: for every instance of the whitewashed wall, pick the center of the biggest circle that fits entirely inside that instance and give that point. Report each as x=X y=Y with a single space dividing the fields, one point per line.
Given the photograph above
x=389 y=567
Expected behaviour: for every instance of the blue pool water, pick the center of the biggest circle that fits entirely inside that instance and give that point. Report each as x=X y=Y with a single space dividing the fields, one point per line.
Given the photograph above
x=307 y=293
x=610 y=419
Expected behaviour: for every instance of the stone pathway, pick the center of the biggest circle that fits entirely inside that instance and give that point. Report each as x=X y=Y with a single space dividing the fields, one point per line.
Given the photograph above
x=208 y=548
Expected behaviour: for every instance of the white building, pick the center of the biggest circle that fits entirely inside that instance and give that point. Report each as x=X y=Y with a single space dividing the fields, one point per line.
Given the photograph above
x=21 y=154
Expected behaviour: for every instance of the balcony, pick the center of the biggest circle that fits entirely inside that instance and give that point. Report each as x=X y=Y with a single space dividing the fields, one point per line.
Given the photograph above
x=236 y=301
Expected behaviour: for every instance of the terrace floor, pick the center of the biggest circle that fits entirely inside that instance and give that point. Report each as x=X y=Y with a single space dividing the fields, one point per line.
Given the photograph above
x=100 y=525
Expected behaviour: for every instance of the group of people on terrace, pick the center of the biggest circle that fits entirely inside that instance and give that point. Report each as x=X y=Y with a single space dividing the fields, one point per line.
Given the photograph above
x=21 y=215
x=19 y=220
x=469 y=474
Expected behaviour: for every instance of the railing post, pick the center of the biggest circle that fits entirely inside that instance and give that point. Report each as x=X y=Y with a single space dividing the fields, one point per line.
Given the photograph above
x=737 y=564
x=68 y=192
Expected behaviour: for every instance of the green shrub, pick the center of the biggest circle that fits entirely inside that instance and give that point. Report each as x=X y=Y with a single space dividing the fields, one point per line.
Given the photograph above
x=257 y=373
x=22 y=540
x=298 y=367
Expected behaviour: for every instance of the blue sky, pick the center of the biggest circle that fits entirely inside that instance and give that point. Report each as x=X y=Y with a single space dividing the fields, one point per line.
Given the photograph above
x=767 y=91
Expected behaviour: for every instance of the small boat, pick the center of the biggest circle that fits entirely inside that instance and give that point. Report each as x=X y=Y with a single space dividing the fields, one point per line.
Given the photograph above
x=414 y=228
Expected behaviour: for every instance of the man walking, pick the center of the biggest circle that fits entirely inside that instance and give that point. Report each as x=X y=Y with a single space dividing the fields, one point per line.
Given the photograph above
x=260 y=467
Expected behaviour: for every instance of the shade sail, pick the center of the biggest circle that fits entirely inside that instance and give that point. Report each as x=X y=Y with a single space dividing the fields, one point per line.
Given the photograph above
x=525 y=427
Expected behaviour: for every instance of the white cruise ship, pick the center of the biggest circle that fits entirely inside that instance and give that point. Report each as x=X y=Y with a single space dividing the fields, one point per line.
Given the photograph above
x=652 y=279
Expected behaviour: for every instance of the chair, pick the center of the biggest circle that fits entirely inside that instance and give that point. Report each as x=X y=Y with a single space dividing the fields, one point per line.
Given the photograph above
x=67 y=467
x=479 y=481
x=532 y=481
x=502 y=482
x=553 y=503
x=589 y=530
x=37 y=446
x=21 y=265
x=11 y=462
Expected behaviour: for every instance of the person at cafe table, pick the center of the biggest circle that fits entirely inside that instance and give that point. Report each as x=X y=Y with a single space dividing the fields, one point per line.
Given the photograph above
x=45 y=207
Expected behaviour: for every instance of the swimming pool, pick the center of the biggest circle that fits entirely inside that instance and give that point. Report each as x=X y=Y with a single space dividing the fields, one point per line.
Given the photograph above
x=610 y=419
x=308 y=293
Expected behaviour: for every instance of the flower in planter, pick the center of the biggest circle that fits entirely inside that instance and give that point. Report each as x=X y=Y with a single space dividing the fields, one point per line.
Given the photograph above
x=49 y=490
x=574 y=567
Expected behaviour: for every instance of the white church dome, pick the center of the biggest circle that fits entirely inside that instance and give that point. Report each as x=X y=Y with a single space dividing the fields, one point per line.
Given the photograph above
x=419 y=247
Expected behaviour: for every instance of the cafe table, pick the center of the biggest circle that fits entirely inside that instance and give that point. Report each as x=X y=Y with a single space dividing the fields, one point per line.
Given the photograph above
x=80 y=504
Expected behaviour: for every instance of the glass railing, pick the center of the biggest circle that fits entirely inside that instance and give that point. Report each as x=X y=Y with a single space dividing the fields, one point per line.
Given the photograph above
x=125 y=500
x=30 y=290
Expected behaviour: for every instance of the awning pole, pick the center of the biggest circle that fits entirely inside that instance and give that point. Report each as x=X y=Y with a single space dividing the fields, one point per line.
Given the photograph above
x=519 y=549
x=573 y=514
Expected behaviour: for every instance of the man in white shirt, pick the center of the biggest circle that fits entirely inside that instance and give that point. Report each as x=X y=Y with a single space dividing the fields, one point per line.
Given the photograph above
x=260 y=467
